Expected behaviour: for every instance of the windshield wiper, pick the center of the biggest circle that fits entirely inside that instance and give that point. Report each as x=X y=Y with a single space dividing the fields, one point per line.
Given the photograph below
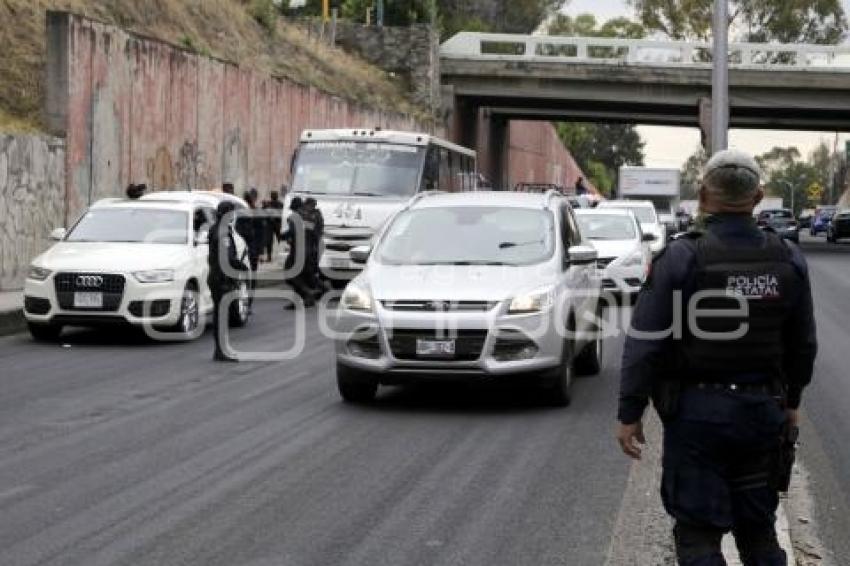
x=505 y=245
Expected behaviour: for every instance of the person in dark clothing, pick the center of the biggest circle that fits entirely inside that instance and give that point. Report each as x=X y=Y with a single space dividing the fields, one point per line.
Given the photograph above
x=315 y=228
x=273 y=222
x=728 y=386
x=581 y=188
x=249 y=225
x=295 y=266
x=135 y=192
x=222 y=255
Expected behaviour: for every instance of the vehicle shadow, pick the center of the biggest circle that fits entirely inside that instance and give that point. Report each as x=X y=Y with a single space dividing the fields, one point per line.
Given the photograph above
x=112 y=336
x=466 y=398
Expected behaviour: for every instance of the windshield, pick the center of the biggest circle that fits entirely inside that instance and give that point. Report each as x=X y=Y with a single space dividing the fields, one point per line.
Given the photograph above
x=358 y=168
x=469 y=236
x=136 y=225
x=607 y=227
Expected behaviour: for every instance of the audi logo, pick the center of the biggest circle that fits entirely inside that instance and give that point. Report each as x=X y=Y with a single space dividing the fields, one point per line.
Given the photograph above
x=89 y=281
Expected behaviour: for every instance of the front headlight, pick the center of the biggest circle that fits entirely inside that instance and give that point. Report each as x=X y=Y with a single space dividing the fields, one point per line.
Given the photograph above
x=356 y=298
x=633 y=259
x=536 y=301
x=38 y=273
x=154 y=276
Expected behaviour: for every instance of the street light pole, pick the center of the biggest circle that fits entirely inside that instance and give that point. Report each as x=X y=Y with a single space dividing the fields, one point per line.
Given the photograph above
x=720 y=78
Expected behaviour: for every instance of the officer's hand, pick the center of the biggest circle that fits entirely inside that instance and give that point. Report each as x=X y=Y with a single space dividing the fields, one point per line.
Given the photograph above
x=793 y=416
x=630 y=436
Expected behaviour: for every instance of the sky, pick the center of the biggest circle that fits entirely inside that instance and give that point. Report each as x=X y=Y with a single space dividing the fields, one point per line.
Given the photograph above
x=671 y=146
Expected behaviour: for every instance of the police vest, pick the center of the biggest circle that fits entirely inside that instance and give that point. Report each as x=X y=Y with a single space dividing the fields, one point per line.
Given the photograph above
x=736 y=319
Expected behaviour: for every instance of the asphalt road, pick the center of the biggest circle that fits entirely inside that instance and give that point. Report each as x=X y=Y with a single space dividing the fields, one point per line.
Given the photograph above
x=825 y=435
x=115 y=450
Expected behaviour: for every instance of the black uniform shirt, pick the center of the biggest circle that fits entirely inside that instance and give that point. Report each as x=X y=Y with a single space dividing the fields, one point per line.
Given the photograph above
x=675 y=268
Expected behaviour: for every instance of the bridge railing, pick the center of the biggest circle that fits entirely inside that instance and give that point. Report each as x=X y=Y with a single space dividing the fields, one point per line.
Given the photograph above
x=600 y=50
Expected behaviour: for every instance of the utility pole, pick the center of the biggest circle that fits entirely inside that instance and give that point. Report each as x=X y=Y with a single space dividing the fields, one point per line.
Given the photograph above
x=379 y=16
x=720 y=78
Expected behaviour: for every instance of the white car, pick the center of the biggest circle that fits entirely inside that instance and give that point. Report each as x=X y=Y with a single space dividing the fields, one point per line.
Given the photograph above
x=488 y=286
x=624 y=256
x=137 y=262
x=645 y=213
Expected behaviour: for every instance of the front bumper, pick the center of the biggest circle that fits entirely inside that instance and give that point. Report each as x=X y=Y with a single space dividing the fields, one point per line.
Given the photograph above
x=492 y=334
x=42 y=304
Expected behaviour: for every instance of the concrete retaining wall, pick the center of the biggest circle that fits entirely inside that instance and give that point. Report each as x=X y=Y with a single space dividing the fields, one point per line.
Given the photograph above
x=536 y=154
x=133 y=109
x=32 y=187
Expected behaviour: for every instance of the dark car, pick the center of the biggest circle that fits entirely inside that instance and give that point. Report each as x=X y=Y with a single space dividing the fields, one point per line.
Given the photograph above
x=839 y=227
x=806 y=217
x=782 y=221
x=821 y=220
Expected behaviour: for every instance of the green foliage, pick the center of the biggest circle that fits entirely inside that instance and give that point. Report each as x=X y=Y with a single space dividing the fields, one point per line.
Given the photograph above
x=692 y=173
x=788 y=21
x=264 y=12
x=600 y=149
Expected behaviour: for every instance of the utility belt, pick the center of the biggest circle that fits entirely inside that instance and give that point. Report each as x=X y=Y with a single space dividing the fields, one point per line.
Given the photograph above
x=666 y=392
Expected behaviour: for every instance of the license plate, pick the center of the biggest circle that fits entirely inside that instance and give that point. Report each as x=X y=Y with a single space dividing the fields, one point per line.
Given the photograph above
x=88 y=300
x=435 y=348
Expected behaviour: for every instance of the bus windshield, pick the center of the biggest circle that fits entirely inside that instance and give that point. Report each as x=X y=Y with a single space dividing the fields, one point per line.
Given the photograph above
x=358 y=169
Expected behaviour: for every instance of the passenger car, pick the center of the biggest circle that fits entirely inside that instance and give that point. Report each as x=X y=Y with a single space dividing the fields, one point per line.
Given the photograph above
x=782 y=221
x=839 y=226
x=624 y=256
x=472 y=285
x=821 y=220
x=130 y=261
x=645 y=213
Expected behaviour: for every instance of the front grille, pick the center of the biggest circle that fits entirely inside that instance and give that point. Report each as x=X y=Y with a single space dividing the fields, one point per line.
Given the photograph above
x=112 y=287
x=155 y=309
x=439 y=306
x=36 y=305
x=338 y=246
x=468 y=343
x=603 y=262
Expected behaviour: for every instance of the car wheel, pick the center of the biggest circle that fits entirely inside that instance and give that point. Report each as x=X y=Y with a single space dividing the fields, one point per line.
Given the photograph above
x=240 y=308
x=560 y=380
x=44 y=332
x=190 y=312
x=589 y=362
x=354 y=386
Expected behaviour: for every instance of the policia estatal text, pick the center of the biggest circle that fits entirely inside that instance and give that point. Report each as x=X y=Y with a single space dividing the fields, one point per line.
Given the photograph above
x=729 y=388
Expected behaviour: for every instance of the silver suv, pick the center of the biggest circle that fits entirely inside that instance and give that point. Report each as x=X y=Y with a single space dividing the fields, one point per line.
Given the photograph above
x=483 y=285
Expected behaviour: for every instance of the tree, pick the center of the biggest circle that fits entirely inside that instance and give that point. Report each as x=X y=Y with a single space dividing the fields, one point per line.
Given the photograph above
x=692 y=173
x=600 y=149
x=788 y=21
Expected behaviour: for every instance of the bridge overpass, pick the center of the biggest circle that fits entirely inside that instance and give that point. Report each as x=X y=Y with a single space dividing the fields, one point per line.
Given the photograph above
x=490 y=79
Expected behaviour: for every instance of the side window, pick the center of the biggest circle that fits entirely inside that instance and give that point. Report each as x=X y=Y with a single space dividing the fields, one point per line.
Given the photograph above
x=431 y=172
x=575 y=233
x=445 y=183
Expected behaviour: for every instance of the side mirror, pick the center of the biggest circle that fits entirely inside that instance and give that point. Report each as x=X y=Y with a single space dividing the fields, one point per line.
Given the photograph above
x=58 y=234
x=582 y=255
x=359 y=254
x=648 y=237
x=202 y=238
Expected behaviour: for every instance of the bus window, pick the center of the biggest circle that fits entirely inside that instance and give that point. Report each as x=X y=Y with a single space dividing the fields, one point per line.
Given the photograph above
x=431 y=170
x=445 y=172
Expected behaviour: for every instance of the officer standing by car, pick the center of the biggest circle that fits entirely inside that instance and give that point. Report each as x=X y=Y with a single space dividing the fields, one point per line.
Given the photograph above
x=728 y=386
x=223 y=262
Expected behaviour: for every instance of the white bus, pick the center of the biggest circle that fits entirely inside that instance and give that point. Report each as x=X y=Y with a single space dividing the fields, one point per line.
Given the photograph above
x=362 y=177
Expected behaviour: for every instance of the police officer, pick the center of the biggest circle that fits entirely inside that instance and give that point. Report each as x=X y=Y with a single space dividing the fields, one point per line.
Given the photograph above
x=222 y=255
x=725 y=385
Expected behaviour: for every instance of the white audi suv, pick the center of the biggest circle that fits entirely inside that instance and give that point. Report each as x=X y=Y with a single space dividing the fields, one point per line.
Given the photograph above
x=483 y=286
x=138 y=262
